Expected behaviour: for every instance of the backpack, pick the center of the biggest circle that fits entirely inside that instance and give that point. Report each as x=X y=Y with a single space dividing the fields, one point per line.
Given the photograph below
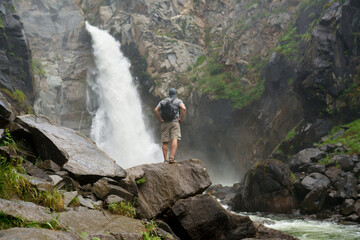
x=168 y=110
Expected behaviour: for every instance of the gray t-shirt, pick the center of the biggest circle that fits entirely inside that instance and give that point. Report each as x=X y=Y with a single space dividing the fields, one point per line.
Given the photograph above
x=176 y=104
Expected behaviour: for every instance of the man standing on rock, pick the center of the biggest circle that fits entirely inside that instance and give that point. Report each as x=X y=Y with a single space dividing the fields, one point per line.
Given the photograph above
x=167 y=111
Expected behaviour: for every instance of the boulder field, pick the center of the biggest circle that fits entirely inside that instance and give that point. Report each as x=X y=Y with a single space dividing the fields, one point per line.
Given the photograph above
x=56 y=158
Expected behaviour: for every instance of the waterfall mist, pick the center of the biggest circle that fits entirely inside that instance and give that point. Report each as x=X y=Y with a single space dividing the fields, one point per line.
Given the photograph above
x=118 y=126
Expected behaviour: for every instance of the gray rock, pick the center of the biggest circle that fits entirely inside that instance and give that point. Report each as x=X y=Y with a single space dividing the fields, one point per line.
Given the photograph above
x=346 y=186
x=102 y=222
x=49 y=166
x=34 y=171
x=56 y=179
x=113 y=199
x=345 y=161
x=70 y=149
x=165 y=184
x=105 y=187
x=267 y=188
x=36 y=234
x=314 y=200
x=69 y=196
x=305 y=156
x=202 y=217
x=86 y=202
x=26 y=210
x=39 y=183
x=316 y=168
x=333 y=173
x=315 y=181
x=347 y=207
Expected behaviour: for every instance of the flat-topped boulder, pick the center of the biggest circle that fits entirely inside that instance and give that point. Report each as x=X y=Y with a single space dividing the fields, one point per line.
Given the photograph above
x=70 y=149
x=163 y=184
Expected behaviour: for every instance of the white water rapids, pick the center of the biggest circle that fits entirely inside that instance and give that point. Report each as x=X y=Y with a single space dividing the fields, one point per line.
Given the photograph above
x=118 y=126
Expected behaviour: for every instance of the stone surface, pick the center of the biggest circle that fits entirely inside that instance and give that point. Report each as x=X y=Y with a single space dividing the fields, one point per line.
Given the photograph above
x=166 y=183
x=314 y=200
x=305 y=156
x=315 y=181
x=69 y=196
x=34 y=171
x=202 y=217
x=267 y=188
x=49 y=166
x=25 y=210
x=345 y=161
x=39 y=183
x=105 y=187
x=36 y=234
x=113 y=199
x=70 y=149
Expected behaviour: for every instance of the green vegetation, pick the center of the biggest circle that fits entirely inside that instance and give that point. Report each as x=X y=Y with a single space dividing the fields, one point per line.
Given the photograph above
x=200 y=60
x=13 y=185
x=75 y=202
x=17 y=95
x=292 y=177
x=2 y=24
x=326 y=160
x=7 y=221
x=351 y=138
x=140 y=180
x=123 y=208
x=151 y=231
x=37 y=67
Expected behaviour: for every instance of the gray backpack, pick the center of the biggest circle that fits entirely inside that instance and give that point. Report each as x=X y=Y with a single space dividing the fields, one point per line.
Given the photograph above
x=168 y=110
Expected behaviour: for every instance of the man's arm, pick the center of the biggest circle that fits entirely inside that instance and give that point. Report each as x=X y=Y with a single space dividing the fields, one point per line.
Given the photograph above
x=182 y=112
x=157 y=114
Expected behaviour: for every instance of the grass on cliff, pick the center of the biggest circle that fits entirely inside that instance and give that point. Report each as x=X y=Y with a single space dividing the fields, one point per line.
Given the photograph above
x=351 y=138
x=151 y=231
x=14 y=185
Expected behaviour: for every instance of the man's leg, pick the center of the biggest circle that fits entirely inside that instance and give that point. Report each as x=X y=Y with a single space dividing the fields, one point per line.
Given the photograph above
x=174 y=145
x=165 y=147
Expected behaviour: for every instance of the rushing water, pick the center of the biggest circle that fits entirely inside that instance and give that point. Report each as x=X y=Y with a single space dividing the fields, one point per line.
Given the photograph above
x=309 y=229
x=118 y=126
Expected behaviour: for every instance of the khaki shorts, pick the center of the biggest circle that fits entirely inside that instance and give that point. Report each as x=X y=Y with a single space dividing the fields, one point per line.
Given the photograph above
x=170 y=130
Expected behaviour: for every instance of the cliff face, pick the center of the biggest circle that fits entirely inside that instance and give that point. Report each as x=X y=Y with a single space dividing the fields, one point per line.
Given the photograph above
x=16 y=80
x=248 y=71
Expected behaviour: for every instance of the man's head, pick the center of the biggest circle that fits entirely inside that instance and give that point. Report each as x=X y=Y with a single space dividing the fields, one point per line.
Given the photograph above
x=172 y=92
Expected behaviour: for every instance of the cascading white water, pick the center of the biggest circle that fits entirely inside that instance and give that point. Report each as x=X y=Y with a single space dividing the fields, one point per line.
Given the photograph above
x=118 y=126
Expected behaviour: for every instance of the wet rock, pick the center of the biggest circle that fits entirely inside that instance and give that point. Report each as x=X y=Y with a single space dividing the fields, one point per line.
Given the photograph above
x=202 y=217
x=314 y=200
x=356 y=169
x=106 y=186
x=165 y=184
x=357 y=207
x=36 y=233
x=315 y=181
x=305 y=156
x=346 y=186
x=267 y=188
x=70 y=149
x=316 y=168
x=333 y=173
x=347 y=207
x=345 y=161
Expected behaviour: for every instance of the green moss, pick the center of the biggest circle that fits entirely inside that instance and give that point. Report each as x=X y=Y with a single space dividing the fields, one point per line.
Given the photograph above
x=37 y=67
x=1 y=24
x=351 y=138
x=123 y=208
x=200 y=60
x=140 y=180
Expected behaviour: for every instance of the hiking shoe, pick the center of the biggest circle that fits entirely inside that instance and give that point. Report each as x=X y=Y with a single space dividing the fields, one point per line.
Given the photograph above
x=172 y=160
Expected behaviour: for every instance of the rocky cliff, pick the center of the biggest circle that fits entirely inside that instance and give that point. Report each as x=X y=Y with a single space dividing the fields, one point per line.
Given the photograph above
x=249 y=71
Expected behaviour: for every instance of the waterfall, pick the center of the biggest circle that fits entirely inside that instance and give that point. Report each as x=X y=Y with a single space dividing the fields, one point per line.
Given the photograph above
x=118 y=126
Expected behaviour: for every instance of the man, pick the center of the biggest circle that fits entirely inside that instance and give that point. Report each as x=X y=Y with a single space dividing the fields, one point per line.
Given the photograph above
x=170 y=123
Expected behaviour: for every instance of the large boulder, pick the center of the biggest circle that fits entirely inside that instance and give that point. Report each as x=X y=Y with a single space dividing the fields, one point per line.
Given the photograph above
x=315 y=181
x=267 y=188
x=70 y=149
x=164 y=184
x=202 y=217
